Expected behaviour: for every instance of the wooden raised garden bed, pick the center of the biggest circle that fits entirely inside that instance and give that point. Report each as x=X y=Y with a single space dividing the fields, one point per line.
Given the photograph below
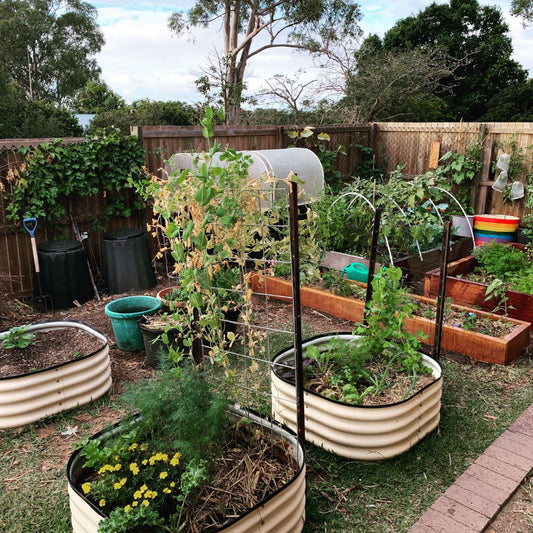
x=463 y=291
x=467 y=342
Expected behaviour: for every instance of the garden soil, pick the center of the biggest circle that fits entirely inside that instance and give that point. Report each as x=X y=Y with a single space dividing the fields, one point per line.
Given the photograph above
x=130 y=366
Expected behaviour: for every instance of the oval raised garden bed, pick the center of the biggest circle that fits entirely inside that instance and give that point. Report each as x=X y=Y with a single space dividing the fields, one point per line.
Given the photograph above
x=360 y=432
x=28 y=397
x=467 y=342
x=282 y=512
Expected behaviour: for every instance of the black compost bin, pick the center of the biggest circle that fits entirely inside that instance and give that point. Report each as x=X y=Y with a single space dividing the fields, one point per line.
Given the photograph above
x=126 y=262
x=64 y=273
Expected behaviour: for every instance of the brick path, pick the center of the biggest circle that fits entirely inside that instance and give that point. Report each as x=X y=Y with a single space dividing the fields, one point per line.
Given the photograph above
x=477 y=496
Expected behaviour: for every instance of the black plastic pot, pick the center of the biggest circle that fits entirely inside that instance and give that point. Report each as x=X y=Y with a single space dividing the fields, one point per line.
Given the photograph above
x=154 y=347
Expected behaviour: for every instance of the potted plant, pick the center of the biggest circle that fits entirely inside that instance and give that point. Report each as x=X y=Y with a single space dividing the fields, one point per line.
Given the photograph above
x=172 y=298
x=153 y=468
x=364 y=396
x=163 y=335
x=75 y=370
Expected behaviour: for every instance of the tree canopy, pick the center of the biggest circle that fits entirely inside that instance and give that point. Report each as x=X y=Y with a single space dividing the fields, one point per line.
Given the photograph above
x=96 y=97
x=396 y=85
x=252 y=27
x=47 y=46
x=523 y=9
x=468 y=31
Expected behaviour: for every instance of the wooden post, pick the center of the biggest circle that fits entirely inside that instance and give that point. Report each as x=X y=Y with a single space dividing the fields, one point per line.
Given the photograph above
x=484 y=172
x=434 y=154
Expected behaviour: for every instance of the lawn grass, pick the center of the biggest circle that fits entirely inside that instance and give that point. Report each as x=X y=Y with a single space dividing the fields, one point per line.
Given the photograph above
x=479 y=402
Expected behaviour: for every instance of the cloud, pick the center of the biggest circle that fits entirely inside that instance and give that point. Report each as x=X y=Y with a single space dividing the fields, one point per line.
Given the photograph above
x=141 y=58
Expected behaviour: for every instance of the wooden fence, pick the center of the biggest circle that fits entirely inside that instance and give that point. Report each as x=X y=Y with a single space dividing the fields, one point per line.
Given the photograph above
x=394 y=144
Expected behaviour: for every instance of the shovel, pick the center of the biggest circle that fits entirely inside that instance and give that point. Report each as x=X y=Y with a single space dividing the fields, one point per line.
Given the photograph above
x=42 y=302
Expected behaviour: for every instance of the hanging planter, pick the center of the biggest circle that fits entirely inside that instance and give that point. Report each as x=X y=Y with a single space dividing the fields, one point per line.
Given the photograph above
x=360 y=432
x=31 y=396
x=281 y=512
x=497 y=350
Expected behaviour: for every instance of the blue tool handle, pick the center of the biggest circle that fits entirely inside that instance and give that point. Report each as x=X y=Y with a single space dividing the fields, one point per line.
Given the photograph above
x=31 y=231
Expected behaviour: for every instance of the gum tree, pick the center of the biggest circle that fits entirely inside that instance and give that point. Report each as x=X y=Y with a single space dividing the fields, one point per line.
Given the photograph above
x=251 y=27
x=47 y=46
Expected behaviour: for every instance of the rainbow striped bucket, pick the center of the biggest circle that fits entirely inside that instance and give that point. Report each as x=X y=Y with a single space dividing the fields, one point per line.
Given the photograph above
x=499 y=228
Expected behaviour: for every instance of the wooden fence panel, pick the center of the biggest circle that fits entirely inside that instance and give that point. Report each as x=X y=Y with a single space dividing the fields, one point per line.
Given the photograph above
x=409 y=143
x=502 y=135
x=16 y=259
x=160 y=142
x=395 y=144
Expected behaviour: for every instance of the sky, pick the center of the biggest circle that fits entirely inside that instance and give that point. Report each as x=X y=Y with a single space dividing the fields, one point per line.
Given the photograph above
x=142 y=59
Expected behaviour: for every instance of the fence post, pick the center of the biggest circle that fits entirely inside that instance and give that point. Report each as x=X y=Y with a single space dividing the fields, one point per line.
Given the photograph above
x=481 y=188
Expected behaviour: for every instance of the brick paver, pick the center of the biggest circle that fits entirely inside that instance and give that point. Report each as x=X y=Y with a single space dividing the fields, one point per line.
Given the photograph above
x=477 y=496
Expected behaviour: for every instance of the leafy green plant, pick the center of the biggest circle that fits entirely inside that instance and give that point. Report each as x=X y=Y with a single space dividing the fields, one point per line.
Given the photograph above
x=498 y=290
x=18 y=338
x=350 y=370
x=55 y=173
x=501 y=260
x=146 y=473
x=327 y=156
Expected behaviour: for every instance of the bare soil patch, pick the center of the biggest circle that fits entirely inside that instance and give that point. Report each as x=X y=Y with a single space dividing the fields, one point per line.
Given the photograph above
x=48 y=348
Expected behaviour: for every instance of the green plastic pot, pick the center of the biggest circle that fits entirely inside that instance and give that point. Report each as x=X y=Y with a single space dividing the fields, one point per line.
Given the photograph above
x=124 y=314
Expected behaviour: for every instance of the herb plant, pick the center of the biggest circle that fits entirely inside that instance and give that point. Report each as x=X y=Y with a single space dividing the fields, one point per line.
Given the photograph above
x=501 y=260
x=349 y=371
x=146 y=473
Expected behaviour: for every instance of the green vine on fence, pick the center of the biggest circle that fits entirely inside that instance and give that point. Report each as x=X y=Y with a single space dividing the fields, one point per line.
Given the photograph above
x=55 y=173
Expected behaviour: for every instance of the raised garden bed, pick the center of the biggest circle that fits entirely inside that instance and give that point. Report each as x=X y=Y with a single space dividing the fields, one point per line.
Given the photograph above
x=32 y=395
x=467 y=342
x=464 y=291
x=362 y=432
x=281 y=512
x=414 y=268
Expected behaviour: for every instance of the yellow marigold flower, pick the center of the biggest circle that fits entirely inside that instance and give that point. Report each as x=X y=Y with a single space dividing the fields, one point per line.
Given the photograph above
x=137 y=494
x=175 y=461
x=153 y=494
x=134 y=504
x=167 y=490
x=127 y=508
x=163 y=475
x=86 y=487
x=101 y=503
x=106 y=468
x=134 y=468
x=172 y=484
x=118 y=466
x=146 y=503
x=145 y=462
x=164 y=457
x=143 y=488
x=144 y=447
x=117 y=457
x=133 y=447
x=117 y=486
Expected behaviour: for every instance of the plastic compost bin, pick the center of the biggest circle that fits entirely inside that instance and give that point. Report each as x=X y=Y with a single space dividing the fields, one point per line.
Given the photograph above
x=126 y=262
x=64 y=273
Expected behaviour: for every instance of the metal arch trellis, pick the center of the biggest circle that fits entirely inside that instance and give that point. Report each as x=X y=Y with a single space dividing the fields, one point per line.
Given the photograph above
x=359 y=195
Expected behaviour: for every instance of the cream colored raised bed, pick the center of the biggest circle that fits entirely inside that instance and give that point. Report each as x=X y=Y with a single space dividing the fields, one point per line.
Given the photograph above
x=282 y=512
x=367 y=433
x=29 y=397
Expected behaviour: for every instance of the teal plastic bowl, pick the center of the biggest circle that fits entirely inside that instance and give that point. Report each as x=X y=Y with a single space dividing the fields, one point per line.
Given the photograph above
x=124 y=314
